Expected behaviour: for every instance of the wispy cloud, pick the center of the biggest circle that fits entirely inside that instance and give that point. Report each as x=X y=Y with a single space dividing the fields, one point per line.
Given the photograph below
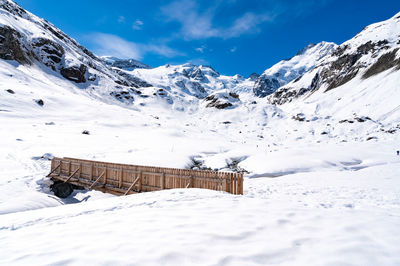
x=113 y=45
x=233 y=49
x=201 y=49
x=121 y=19
x=198 y=21
x=197 y=24
x=138 y=24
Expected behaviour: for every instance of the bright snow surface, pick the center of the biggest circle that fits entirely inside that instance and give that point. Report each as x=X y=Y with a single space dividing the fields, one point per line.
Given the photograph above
x=309 y=199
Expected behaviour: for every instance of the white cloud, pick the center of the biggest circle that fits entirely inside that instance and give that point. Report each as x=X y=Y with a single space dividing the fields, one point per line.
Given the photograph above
x=199 y=25
x=201 y=49
x=199 y=61
x=109 y=44
x=138 y=24
x=112 y=45
x=121 y=19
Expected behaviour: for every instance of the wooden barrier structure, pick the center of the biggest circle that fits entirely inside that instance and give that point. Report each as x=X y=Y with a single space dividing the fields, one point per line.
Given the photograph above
x=125 y=179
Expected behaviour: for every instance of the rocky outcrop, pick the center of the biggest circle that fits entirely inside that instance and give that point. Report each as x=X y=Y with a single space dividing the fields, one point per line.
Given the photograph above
x=74 y=73
x=253 y=76
x=265 y=86
x=48 y=52
x=372 y=51
x=292 y=69
x=125 y=64
x=385 y=62
x=10 y=46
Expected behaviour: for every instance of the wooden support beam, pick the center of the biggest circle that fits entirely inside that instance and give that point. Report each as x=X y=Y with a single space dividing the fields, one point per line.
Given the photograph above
x=52 y=171
x=190 y=184
x=134 y=183
x=72 y=175
x=140 y=182
x=162 y=180
x=120 y=178
x=97 y=180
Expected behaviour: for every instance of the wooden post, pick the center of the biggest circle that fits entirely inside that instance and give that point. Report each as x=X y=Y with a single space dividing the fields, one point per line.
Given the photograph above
x=140 y=181
x=120 y=178
x=162 y=181
x=91 y=171
x=105 y=176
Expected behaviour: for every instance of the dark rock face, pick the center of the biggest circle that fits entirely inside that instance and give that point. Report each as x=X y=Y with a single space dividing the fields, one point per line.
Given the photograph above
x=74 y=73
x=265 y=86
x=10 y=48
x=130 y=80
x=48 y=52
x=126 y=64
x=344 y=68
x=40 y=102
x=214 y=102
x=61 y=189
x=198 y=75
x=253 y=76
x=384 y=62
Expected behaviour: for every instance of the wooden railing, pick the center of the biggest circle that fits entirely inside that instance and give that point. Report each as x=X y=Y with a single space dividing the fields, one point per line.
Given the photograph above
x=124 y=179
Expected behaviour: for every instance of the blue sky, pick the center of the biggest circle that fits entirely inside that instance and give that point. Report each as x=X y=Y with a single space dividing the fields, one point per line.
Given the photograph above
x=233 y=36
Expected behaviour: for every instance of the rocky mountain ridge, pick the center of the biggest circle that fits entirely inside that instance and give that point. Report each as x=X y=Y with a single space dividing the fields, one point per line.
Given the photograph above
x=370 y=52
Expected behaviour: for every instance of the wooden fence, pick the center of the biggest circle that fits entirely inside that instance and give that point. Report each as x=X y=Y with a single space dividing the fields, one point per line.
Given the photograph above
x=124 y=179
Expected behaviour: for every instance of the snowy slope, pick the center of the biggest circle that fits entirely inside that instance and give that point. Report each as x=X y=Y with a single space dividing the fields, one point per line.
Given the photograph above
x=369 y=53
x=33 y=41
x=126 y=64
x=321 y=182
x=287 y=70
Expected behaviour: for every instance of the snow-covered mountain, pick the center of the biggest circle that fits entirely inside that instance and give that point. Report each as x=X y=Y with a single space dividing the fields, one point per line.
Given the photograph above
x=126 y=64
x=328 y=137
x=287 y=70
x=32 y=41
x=361 y=59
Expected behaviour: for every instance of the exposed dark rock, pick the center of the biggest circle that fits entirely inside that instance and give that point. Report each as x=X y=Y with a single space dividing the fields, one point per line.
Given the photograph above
x=10 y=46
x=346 y=121
x=196 y=164
x=130 y=80
x=61 y=189
x=40 y=102
x=253 y=76
x=233 y=164
x=85 y=132
x=340 y=50
x=198 y=75
x=324 y=133
x=384 y=62
x=10 y=91
x=234 y=95
x=48 y=52
x=126 y=64
x=265 y=86
x=219 y=105
x=214 y=101
x=299 y=117
x=74 y=73
x=362 y=119
x=371 y=138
